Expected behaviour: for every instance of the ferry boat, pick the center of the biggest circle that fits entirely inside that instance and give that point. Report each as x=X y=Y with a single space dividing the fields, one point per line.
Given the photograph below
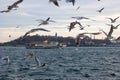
x=43 y=45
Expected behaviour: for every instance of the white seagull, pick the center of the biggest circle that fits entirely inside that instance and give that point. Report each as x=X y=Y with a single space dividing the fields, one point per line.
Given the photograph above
x=82 y=17
x=45 y=22
x=78 y=38
x=7 y=59
x=14 y=5
x=72 y=25
x=100 y=10
x=113 y=20
x=38 y=62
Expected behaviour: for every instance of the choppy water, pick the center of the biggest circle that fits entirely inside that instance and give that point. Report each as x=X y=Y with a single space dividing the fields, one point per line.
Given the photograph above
x=84 y=63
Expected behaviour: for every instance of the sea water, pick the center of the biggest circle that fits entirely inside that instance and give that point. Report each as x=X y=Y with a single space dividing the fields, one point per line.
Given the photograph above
x=70 y=63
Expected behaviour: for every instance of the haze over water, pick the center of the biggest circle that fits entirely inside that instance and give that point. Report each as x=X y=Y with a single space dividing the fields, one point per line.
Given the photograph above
x=84 y=63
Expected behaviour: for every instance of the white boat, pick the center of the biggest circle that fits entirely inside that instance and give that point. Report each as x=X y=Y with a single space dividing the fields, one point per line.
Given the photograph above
x=43 y=45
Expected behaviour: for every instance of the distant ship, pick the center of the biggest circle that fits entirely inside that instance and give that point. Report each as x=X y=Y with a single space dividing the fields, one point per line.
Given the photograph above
x=87 y=41
x=44 y=45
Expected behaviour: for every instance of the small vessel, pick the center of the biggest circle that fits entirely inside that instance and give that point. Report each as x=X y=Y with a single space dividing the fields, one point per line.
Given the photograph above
x=43 y=45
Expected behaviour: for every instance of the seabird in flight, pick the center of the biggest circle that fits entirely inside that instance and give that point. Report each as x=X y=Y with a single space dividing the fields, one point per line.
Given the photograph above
x=100 y=10
x=109 y=35
x=45 y=22
x=72 y=25
x=81 y=18
x=14 y=5
x=38 y=62
x=78 y=38
x=6 y=59
x=30 y=55
x=34 y=30
x=113 y=20
x=77 y=8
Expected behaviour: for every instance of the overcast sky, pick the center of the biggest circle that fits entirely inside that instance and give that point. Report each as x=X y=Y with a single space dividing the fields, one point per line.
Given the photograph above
x=31 y=10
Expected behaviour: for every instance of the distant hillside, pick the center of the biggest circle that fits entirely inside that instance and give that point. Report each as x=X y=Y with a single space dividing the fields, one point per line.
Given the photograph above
x=70 y=41
x=22 y=41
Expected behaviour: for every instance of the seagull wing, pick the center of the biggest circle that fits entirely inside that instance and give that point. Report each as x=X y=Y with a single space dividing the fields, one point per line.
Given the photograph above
x=74 y=17
x=109 y=24
x=110 y=19
x=47 y=19
x=73 y=1
x=79 y=23
x=42 y=29
x=40 y=20
x=85 y=18
x=116 y=18
x=37 y=61
x=34 y=30
x=40 y=24
x=100 y=10
x=5 y=11
x=70 y=28
x=78 y=38
x=52 y=21
x=55 y=2
x=17 y=2
x=81 y=27
x=116 y=26
x=77 y=8
x=104 y=32
x=110 y=32
x=14 y=4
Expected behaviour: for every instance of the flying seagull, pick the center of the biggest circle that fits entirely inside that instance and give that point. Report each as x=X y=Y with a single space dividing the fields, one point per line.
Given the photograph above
x=30 y=55
x=72 y=25
x=100 y=10
x=78 y=38
x=73 y=1
x=14 y=5
x=38 y=62
x=6 y=59
x=113 y=20
x=34 y=30
x=110 y=32
x=81 y=18
x=45 y=22
x=77 y=8
x=55 y=2
x=109 y=35
x=115 y=27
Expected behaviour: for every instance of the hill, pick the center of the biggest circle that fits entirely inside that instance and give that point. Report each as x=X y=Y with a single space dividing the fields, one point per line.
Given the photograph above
x=28 y=39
